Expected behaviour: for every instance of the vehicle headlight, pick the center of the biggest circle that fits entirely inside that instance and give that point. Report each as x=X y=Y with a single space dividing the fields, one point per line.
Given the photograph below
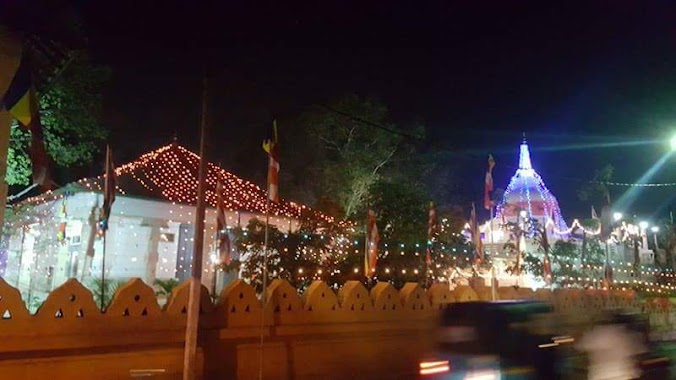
x=431 y=367
x=483 y=375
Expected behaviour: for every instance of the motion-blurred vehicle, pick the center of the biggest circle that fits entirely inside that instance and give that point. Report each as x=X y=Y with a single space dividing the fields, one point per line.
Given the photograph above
x=652 y=363
x=495 y=341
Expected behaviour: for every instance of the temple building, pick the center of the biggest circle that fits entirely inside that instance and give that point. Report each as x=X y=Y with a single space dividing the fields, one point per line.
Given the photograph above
x=527 y=195
x=55 y=236
x=528 y=204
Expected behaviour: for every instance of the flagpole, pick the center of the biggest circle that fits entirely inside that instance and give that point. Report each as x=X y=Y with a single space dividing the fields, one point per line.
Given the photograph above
x=11 y=49
x=23 y=239
x=103 y=269
x=265 y=285
x=265 y=260
x=214 y=270
x=191 y=331
x=367 y=267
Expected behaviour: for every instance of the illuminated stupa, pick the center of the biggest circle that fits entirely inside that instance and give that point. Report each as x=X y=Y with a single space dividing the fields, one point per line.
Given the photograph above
x=527 y=192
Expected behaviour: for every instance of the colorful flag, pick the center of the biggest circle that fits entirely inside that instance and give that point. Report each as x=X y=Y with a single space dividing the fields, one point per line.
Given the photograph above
x=593 y=213
x=546 y=264
x=108 y=192
x=373 y=238
x=431 y=228
x=22 y=103
x=547 y=269
x=608 y=274
x=476 y=235
x=488 y=184
x=272 y=148
x=222 y=235
x=520 y=250
x=63 y=215
x=606 y=223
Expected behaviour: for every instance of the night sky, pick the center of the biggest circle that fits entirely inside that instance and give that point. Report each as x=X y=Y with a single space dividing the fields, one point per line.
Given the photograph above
x=588 y=82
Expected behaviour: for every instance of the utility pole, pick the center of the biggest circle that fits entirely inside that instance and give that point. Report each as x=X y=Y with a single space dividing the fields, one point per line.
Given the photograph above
x=191 y=331
x=10 y=57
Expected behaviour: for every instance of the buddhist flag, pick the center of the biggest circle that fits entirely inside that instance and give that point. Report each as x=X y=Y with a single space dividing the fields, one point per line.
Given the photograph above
x=488 y=184
x=222 y=236
x=63 y=215
x=521 y=249
x=373 y=238
x=608 y=274
x=431 y=228
x=594 y=215
x=22 y=103
x=546 y=264
x=110 y=183
x=476 y=235
x=272 y=148
x=547 y=270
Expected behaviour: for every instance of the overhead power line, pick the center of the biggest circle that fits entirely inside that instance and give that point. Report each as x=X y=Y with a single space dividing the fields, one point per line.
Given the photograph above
x=371 y=123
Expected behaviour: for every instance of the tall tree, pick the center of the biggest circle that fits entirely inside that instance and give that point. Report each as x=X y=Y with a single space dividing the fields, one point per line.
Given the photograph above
x=597 y=190
x=355 y=143
x=70 y=112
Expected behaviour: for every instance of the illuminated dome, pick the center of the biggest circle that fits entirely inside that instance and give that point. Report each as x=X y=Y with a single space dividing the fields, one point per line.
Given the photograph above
x=527 y=192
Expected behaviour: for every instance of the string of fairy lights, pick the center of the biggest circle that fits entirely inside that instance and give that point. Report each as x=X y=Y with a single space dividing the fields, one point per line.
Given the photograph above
x=170 y=172
x=347 y=246
x=520 y=185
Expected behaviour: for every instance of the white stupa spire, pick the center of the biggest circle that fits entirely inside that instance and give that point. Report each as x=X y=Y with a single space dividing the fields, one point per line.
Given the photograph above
x=527 y=192
x=524 y=156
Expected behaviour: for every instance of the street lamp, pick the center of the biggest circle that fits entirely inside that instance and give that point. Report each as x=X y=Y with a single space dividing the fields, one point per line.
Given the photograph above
x=643 y=225
x=617 y=216
x=655 y=230
x=672 y=142
x=523 y=213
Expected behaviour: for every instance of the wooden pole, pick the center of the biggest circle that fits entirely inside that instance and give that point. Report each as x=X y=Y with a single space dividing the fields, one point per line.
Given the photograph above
x=191 y=330
x=23 y=240
x=261 y=360
x=10 y=57
x=265 y=261
x=367 y=268
x=103 y=269
x=5 y=127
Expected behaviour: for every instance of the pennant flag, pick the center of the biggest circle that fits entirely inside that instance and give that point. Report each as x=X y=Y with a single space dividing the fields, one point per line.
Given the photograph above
x=521 y=248
x=593 y=213
x=488 y=184
x=547 y=270
x=546 y=264
x=108 y=192
x=272 y=149
x=373 y=238
x=431 y=228
x=476 y=235
x=606 y=223
x=608 y=274
x=22 y=103
x=63 y=215
x=222 y=235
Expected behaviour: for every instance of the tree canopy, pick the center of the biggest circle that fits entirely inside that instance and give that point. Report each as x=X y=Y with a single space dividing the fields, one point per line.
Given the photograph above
x=596 y=191
x=70 y=112
x=350 y=151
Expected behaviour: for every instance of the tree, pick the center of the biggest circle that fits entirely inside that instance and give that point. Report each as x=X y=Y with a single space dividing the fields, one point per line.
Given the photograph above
x=354 y=143
x=251 y=243
x=597 y=190
x=70 y=111
x=588 y=224
x=667 y=241
x=402 y=211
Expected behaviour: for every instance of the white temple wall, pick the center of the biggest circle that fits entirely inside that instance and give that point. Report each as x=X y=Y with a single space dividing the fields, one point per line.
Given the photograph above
x=142 y=241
